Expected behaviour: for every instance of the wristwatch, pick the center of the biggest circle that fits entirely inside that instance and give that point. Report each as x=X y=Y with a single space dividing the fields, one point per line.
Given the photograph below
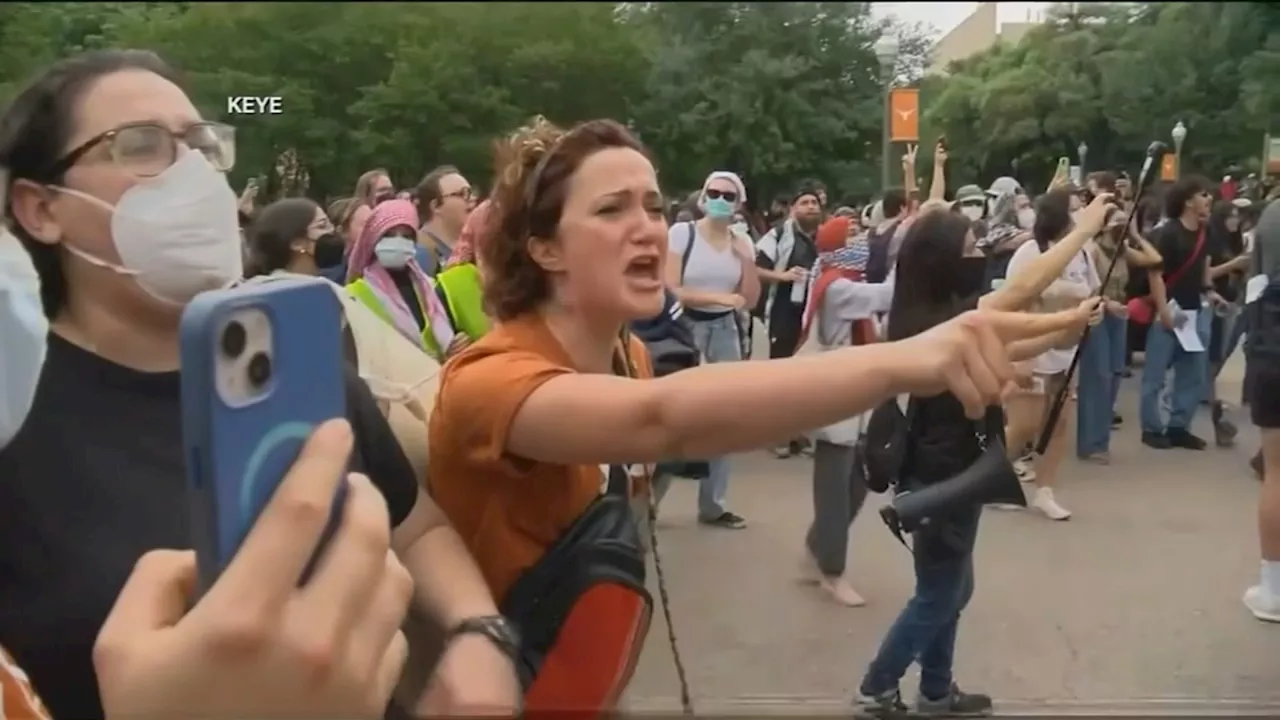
x=495 y=628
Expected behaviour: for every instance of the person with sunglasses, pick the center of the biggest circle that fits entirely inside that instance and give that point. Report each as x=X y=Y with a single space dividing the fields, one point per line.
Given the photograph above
x=711 y=268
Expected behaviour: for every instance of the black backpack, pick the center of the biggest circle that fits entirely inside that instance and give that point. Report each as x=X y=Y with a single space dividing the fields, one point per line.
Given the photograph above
x=878 y=245
x=669 y=339
x=881 y=451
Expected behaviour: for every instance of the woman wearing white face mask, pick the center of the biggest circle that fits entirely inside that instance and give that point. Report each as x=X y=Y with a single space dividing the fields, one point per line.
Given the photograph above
x=117 y=191
x=711 y=268
x=383 y=274
x=139 y=674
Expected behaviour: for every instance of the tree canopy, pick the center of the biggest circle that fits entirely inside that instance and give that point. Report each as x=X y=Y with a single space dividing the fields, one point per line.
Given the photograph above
x=775 y=91
x=1115 y=76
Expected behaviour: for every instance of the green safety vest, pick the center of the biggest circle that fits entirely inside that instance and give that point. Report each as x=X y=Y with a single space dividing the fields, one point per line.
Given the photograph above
x=361 y=290
x=462 y=295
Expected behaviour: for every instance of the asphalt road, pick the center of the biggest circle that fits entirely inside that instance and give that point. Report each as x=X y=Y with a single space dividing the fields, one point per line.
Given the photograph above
x=1131 y=607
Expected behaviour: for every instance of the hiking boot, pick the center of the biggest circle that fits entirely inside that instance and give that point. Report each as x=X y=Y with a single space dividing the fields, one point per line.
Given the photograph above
x=957 y=703
x=886 y=706
x=1185 y=439
x=1159 y=441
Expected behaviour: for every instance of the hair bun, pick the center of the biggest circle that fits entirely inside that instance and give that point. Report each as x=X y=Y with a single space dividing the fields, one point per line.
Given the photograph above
x=523 y=149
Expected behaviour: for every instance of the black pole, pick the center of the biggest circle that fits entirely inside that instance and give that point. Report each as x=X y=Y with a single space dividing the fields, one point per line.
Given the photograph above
x=1155 y=152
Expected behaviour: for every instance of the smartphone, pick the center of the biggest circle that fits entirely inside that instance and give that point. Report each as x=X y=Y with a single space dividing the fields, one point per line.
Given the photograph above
x=261 y=368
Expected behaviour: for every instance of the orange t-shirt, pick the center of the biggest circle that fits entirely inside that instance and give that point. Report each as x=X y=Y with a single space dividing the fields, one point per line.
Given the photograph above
x=507 y=509
x=18 y=700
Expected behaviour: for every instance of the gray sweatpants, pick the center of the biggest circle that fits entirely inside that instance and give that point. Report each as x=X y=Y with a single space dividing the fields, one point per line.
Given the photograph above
x=838 y=493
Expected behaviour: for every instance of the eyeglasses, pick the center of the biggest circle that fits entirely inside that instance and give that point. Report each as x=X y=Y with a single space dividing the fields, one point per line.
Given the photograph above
x=713 y=194
x=148 y=149
x=978 y=202
x=463 y=193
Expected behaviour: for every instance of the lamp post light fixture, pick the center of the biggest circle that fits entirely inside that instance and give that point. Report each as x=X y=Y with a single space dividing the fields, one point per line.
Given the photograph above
x=1082 y=151
x=1179 y=136
x=886 y=50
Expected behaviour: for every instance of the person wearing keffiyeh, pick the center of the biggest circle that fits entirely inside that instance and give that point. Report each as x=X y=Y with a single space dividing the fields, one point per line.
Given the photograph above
x=839 y=313
x=383 y=273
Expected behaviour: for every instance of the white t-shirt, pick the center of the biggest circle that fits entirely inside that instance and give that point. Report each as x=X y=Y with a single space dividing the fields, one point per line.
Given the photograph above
x=1080 y=273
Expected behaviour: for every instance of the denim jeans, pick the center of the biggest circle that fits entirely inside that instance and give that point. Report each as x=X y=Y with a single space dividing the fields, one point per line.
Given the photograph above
x=925 y=630
x=1190 y=376
x=717 y=340
x=1101 y=366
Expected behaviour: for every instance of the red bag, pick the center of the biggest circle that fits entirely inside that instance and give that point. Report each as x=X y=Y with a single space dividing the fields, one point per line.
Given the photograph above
x=1141 y=309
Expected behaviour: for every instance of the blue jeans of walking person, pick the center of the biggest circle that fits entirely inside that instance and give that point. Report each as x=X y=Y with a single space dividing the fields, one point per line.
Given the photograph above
x=718 y=340
x=1102 y=362
x=1190 y=378
x=925 y=631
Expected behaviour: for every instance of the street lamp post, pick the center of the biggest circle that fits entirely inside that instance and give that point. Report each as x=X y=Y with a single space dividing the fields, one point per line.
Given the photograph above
x=1179 y=135
x=1082 y=151
x=886 y=50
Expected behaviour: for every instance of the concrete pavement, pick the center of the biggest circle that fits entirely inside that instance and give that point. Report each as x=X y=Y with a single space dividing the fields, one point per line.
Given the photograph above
x=1131 y=607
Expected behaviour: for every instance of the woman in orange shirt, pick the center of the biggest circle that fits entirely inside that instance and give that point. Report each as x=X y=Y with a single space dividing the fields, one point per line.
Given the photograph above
x=529 y=420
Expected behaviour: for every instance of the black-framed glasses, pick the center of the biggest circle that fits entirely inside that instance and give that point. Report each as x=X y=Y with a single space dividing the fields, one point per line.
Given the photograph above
x=461 y=193
x=148 y=149
x=713 y=194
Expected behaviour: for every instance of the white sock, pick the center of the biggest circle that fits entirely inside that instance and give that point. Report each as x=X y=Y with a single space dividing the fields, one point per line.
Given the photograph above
x=1271 y=577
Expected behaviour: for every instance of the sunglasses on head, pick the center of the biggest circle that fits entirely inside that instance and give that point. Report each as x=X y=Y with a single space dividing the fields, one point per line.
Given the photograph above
x=713 y=194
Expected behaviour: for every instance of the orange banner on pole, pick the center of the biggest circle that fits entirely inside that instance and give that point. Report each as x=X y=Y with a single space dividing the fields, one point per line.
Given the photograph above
x=1169 y=167
x=904 y=109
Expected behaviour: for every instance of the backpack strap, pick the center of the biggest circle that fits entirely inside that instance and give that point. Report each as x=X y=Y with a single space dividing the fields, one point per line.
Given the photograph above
x=688 y=250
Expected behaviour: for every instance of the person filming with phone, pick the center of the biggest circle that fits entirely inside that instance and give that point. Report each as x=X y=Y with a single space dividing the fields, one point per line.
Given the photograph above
x=117 y=191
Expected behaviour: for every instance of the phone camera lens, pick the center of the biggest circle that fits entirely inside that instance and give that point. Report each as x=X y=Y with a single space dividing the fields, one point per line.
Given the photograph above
x=233 y=339
x=259 y=370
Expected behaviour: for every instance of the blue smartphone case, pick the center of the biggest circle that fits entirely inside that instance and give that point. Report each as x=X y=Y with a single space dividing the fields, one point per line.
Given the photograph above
x=237 y=456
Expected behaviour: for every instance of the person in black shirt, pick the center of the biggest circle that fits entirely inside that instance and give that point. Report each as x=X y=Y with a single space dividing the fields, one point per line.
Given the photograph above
x=117 y=190
x=939 y=276
x=784 y=257
x=1181 y=290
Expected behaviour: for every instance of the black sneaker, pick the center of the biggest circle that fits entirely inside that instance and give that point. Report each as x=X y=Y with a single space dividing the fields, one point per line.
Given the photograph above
x=887 y=706
x=1159 y=441
x=957 y=703
x=1182 y=438
x=1224 y=433
x=1116 y=421
x=725 y=519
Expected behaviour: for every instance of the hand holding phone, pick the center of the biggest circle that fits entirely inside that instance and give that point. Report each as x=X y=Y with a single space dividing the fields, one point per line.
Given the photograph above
x=248 y=647
x=261 y=369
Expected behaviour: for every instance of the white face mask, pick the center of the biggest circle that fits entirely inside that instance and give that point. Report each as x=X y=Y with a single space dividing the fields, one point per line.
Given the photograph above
x=973 y=212
x=23 y=331
x=394 y=252
x=177 y=234
x=1026 y=218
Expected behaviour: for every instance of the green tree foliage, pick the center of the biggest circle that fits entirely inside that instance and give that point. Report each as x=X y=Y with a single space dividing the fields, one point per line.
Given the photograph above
x=774 y=91
x=1115 y=76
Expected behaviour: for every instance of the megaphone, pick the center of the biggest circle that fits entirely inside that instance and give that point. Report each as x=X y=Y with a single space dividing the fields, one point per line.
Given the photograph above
x=991 y=479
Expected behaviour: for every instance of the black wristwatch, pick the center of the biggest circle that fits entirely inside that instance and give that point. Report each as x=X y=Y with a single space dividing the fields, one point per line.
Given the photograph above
x=495 y=628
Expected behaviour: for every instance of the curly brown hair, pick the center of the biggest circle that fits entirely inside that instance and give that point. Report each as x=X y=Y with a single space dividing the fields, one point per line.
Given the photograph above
x=532 y=168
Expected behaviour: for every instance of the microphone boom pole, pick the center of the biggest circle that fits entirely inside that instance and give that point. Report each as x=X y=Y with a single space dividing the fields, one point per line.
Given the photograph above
x=1155 y=153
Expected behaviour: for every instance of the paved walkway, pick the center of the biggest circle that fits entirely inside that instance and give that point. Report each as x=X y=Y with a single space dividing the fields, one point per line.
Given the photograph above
x=1131 y=607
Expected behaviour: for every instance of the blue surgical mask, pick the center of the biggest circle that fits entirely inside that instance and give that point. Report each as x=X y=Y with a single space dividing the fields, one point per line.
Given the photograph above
x=394 y=252
x=718 y=208
x=23 y=334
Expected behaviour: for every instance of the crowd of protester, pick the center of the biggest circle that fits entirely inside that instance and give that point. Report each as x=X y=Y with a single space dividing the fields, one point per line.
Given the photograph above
x=525 y=375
